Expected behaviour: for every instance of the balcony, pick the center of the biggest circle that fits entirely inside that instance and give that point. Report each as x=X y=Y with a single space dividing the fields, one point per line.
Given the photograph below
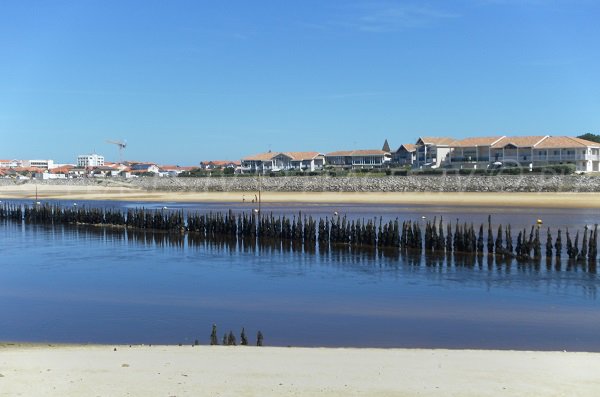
x=565 y=157
x=469 y=159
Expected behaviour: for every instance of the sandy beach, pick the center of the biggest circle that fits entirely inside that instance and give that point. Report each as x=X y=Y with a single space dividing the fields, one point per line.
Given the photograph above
x=125 y=193
x=31 y=370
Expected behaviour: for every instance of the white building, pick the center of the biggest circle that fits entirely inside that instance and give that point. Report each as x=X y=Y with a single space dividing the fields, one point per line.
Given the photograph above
x=10 y=163
x=358 y=158
x=45 y=164
x=524 y=151
x=405 y=155
x=283 y=161
x=90 y=160
x=432 y=151
x=48 y=175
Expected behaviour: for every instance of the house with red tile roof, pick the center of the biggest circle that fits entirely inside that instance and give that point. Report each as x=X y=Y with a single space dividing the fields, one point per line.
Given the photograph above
x=65 y=169
x=431 y=152
x=406 y=154
x=474 y=152
x=11 y=163
x=142 y=168
x=283 y=161
x=584 y=154
x=524 y=151
x=371 y=158
x=220 y=164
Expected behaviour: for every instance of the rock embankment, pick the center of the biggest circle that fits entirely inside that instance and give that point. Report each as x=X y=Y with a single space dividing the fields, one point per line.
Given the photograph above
x=453 y=183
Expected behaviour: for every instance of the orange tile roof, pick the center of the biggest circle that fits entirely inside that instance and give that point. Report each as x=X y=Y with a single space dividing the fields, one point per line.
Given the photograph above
x=520 y=141
x=340 y=153
x=261 y=156
x=302 y=155
x=440 y=141
x=367 y=152
x=29 y=169
x=565 y=142
x=220 y=162
x=61 y=170
x=408 y=146
x=477 y=141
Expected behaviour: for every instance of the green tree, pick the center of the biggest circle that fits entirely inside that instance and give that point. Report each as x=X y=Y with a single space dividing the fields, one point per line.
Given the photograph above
x=590 y=137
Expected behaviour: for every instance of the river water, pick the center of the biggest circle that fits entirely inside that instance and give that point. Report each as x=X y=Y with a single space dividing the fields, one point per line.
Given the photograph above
x=99 y=285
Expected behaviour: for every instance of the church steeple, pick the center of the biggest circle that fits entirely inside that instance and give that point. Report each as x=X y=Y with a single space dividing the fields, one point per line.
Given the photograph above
x=386 y=146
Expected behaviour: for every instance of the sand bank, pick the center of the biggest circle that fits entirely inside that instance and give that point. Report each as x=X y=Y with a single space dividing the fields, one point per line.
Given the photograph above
x=249 y=371
x=125 y=193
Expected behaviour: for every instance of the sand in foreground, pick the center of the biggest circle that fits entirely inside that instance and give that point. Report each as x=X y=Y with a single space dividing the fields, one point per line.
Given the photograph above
x=249 y=371
x=495 y=199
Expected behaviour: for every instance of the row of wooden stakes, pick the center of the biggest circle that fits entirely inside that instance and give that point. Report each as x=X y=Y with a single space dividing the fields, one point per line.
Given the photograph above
x=251 y=228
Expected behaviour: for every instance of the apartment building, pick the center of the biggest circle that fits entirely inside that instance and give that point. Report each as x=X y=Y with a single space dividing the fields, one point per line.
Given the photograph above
x=568 y=150
x=90 y=160
x=405 y=155
x=475 y=152
x=524 y=151
x=283 y=161
x=358 y=158
x=431 y=152
x=43 y=164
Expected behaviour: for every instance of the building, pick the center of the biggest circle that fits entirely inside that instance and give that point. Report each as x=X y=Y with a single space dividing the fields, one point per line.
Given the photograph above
x=585 y=155
x=472 y=152
x=105 y=171
x=299 y=161
x=261 y=162
x=49 y=175
x=405 y=155
x=219 y=164
x=44 y=164
x=141 y=168
x=174 y=170
x=10 y=163
x=90 y=160
x=64 y=169
x=358 y=158
x=431 y=152
x=283 y=161
x=523 y=151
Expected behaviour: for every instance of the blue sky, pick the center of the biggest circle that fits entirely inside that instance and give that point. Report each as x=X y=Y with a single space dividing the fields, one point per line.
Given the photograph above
x=185 y=81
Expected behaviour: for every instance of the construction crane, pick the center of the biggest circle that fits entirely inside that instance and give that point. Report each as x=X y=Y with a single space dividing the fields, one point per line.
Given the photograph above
x=121 y=145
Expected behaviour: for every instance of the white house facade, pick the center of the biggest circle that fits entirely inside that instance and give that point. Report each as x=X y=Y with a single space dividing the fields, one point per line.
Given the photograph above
x=90 y=160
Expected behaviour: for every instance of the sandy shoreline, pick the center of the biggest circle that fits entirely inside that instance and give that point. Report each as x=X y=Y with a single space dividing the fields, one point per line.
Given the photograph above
x=275 y=371
x=492 y=199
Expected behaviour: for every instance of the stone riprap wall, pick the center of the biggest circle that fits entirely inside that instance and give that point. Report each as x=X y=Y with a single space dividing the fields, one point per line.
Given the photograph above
x=454 y=183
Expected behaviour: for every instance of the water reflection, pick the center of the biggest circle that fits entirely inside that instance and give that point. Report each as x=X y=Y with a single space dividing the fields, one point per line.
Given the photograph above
x=115 y=285
x=340 y=255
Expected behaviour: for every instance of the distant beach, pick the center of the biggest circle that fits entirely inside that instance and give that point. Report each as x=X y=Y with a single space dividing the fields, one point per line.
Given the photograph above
x=55 y=370
x=132 y=192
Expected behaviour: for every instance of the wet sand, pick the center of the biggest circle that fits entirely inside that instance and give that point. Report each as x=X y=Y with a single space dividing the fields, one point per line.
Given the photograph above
x=273 y=371
x=492 y=199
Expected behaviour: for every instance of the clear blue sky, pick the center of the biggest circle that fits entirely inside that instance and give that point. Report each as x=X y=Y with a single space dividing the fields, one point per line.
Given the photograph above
x=185 y=81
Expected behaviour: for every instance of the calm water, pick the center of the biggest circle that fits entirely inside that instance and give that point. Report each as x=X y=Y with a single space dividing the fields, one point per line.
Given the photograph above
x=82 y=284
